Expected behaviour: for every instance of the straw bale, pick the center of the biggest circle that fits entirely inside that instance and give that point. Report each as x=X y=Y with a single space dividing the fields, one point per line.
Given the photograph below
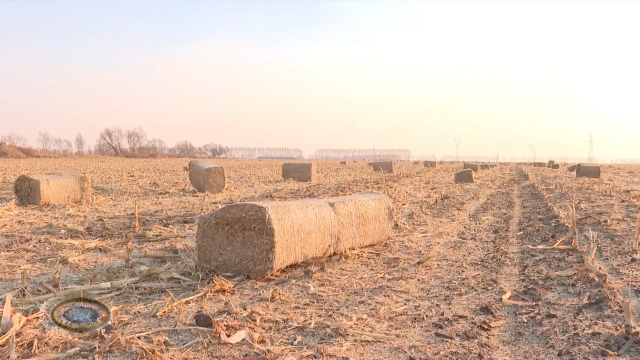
x=555 y=166
x=588 y=171
x=572 y=168
x=363 y=219
x=473 y=166
x=539 y=164
x=464 y=176
x=52 y=189
x=431 y=164
x=484 y=166
x=258 y=238
x=550 y=163
x=384 y=166
x=343 y=163
x=299 y=171
x=206 y=177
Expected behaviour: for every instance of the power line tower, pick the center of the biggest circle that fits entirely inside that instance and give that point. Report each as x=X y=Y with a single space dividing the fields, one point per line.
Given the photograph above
x=457 y=147
x=533 y=152
x=590 y=153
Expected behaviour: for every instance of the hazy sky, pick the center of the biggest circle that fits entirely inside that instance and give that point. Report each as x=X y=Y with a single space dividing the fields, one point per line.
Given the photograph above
x=500 y=75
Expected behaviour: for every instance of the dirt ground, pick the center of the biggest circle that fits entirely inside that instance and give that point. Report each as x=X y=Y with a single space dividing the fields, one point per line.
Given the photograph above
x=469 y=273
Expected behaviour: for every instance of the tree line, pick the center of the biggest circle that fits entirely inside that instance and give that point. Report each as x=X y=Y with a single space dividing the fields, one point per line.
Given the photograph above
x=362 y=154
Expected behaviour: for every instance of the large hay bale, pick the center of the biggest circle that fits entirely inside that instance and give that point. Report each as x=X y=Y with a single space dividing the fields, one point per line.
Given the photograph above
x=258 y=238
x=473 y=166
x=550 y=163
x=206 y=177
x=52 y=189
x=572 y=168
x=384 y=166
x=484 y=166
x=306 y=172
x=431 y=164
x=555 y=166
x=464 y=177
x=539 y=164
x=588 y=171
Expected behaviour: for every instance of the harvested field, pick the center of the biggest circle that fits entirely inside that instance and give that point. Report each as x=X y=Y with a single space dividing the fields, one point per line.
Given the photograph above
x=469 y=272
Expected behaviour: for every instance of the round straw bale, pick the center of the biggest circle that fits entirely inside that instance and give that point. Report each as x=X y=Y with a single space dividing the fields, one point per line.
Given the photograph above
x=52 y=189
x=588 y=171
x=384 y=166
x=363 y=219
x=300 y=172
x=431 y=164
x=539 y=164
x=343 y=163
x=572 y=168
x=464 y=176
x=555 y=166
x=258 y=238
x=550 y=163
x=484 y=166
x=473 y=166
x=206 y=177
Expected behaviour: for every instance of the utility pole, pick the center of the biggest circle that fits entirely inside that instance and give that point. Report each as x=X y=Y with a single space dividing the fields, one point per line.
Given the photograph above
x=457 y=147
x=533 y=152
x=590 y=152
x=497 y=157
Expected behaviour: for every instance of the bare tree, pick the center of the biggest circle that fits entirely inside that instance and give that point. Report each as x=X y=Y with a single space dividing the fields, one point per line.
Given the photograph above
x=14 y=139
x=80 y=144
x=155 y=147
x=111 y=138
x=67 y=147
x=136 y=139
x=185 y=149
x=45 y=140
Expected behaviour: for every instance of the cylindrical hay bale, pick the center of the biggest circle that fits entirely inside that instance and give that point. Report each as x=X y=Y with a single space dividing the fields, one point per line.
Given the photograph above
x=572 y=168
x=484 y=166
x=588 y=171
x=206 y=177
x=539 y=164
x=464 y=177
x=555 y=166
x=52 y=189
x=416 y=163
x=258 y=238
x=431 y=164
x=384 y=166
x=299 y=171
x=362 y=219
x=550 y=163
x=343 y=163
x=472 y=166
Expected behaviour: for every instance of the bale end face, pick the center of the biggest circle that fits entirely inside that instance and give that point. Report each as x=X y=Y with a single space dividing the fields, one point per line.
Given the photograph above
x=464 y=177
x=305 y=172
x=572 y=168
x=555 y=166
x=431 y=164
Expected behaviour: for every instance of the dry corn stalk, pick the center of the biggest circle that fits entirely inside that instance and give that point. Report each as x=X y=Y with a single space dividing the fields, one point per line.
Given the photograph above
x=137 y=219
x=637 y=234
x=574 y=228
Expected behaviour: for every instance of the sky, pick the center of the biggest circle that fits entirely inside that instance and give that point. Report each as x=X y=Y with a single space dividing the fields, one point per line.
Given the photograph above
x=329 y=74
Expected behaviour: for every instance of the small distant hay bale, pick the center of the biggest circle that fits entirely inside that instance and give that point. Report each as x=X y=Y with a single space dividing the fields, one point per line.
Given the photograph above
x=555 y=166
x=384 y=166
x=473 y=166
x=484 y=166
x=306 y=172
x=550 y=163
x=464 y=177
x=539 y=164
x=258 y=238
x=343 y=163
x=206 y=177
x=416 y=163
x=572 y=168
x=492 y=166
x=588 y=171
x=52 y=189
x=431 y=164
